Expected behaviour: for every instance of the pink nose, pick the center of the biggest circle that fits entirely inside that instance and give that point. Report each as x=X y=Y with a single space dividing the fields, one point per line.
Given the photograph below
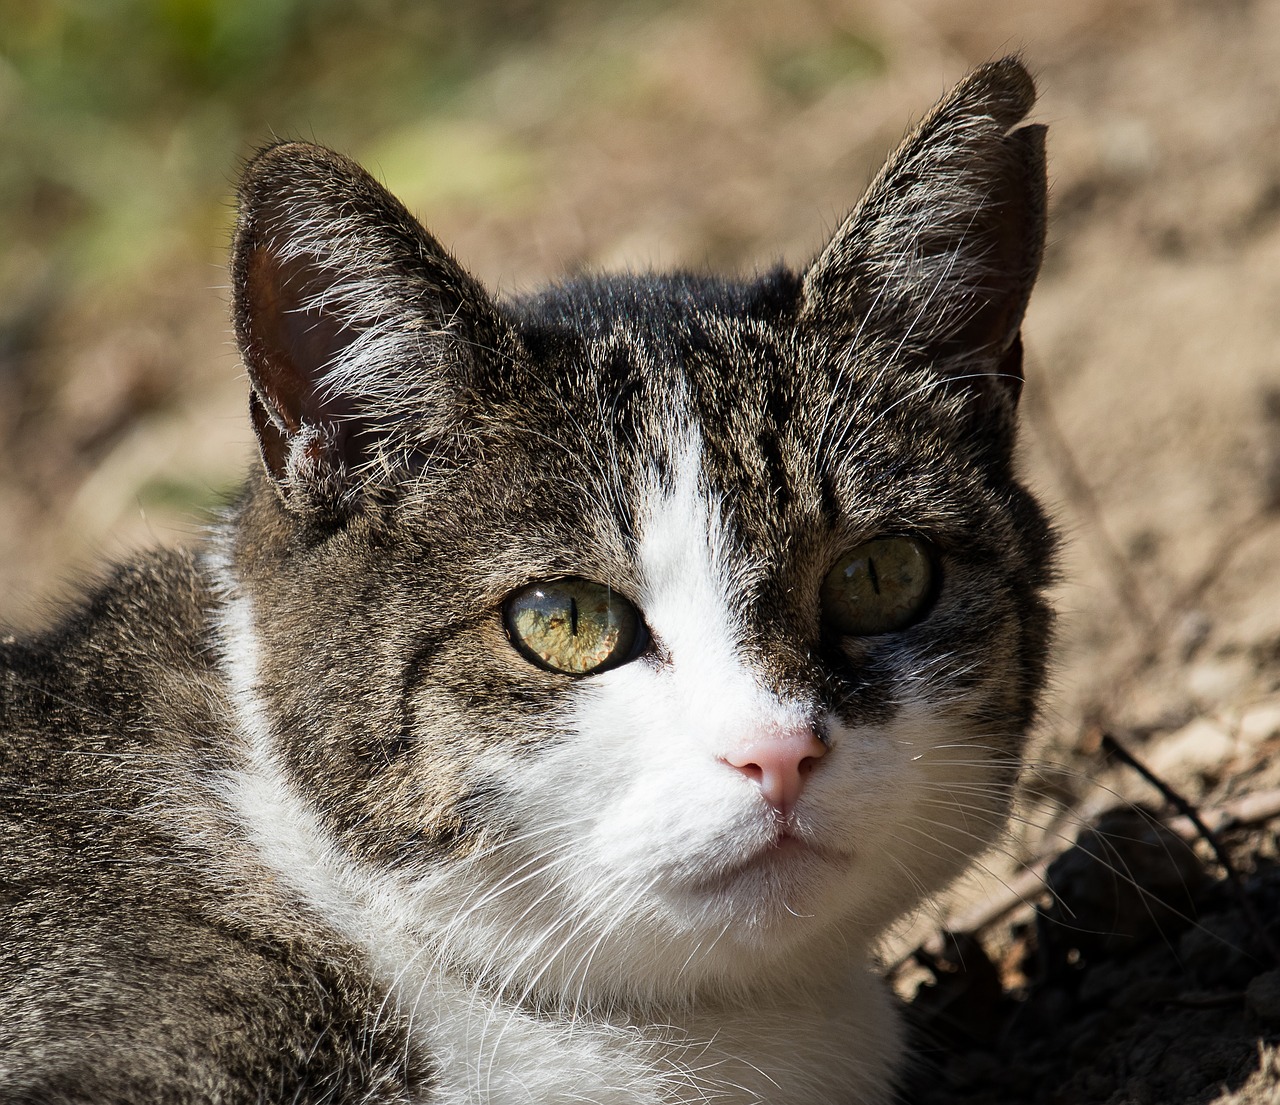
x=779 y=763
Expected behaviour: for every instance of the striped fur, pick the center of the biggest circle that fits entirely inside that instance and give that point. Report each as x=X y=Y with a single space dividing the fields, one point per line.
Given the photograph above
x=291 y=820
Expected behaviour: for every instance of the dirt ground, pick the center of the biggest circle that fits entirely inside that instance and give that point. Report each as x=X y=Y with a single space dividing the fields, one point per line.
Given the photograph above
x=740 y=133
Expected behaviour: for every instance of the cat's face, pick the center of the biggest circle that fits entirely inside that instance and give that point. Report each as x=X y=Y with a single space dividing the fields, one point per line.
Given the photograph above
x=654 y=627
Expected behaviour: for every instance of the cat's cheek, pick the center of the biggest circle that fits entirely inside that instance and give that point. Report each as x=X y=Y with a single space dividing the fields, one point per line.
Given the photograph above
x=667 y=832
x=912 y=800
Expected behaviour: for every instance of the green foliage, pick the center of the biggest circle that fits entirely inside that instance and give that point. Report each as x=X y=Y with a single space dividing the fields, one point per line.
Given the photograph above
x=123 y=120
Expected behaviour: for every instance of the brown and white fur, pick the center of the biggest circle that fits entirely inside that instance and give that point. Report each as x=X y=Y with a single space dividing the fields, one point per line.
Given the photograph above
x=289 y=819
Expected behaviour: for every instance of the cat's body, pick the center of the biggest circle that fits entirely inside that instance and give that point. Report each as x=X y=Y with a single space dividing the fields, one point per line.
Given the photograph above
x=338 y=809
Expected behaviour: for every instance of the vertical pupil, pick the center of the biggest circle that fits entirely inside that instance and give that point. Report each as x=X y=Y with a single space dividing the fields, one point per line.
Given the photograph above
x=573 y=616
x=875 y=578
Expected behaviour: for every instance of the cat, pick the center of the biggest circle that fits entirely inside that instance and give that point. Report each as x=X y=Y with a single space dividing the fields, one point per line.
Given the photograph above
x=579 y=685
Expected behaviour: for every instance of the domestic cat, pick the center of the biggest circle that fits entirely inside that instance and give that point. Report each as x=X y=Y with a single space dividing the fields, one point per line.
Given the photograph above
x=579 y=685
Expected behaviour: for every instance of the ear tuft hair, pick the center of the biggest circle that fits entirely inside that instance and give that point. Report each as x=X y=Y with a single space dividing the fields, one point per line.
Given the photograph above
x=355 y=324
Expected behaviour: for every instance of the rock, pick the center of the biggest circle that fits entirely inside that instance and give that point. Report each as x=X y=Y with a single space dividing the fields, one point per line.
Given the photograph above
x=1213 y=951
x=1125 y=879
x=1262 y=997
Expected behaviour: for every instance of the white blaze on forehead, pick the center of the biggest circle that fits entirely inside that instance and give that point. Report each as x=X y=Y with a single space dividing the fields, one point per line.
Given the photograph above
x=684 y=561
x=697 y=582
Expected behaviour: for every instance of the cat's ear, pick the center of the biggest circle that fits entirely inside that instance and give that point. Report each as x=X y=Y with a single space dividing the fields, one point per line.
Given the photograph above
x=354 y=323
x=940 y=255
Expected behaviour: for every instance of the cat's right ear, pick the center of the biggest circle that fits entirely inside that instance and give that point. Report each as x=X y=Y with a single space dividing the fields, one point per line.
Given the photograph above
x=354 y=323
x=938 y=259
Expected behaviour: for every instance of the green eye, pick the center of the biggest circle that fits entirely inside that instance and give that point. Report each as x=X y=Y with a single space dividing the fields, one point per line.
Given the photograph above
x=573 y=626
x=880 y=587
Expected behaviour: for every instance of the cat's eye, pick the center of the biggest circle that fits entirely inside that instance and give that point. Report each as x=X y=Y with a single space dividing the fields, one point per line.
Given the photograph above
x=881 y=586
x=574 y=626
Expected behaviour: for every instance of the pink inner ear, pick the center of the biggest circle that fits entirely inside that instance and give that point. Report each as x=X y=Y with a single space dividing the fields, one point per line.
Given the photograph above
x=292 y=342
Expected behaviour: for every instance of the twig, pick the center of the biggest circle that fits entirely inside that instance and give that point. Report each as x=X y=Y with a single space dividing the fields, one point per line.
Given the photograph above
x=1113 y=747
x=1018 y=890
x=1251 y=809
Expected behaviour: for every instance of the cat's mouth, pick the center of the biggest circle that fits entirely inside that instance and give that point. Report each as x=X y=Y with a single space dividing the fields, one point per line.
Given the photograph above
x=787 y=842
x=783 y=861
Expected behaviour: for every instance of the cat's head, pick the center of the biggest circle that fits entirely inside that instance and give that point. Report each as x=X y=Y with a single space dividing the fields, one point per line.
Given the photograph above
x=650 y=627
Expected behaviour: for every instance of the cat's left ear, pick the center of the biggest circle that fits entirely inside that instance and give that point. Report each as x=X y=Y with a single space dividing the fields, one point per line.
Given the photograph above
x=357 y=327
x=938 y=259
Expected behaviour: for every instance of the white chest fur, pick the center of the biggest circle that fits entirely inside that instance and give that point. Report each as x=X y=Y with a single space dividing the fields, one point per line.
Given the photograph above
x=833 y=1051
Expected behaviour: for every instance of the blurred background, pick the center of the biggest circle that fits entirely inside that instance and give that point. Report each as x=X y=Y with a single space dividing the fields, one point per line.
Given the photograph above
x=539 y=138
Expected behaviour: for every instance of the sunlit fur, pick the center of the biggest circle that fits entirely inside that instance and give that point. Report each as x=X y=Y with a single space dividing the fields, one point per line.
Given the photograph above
x=399 y=864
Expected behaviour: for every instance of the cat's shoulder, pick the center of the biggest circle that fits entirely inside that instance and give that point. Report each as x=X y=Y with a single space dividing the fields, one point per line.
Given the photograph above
x=101 y=671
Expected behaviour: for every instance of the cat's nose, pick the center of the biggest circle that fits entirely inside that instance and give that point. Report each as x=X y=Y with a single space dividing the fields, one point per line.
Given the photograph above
x=779 y=763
